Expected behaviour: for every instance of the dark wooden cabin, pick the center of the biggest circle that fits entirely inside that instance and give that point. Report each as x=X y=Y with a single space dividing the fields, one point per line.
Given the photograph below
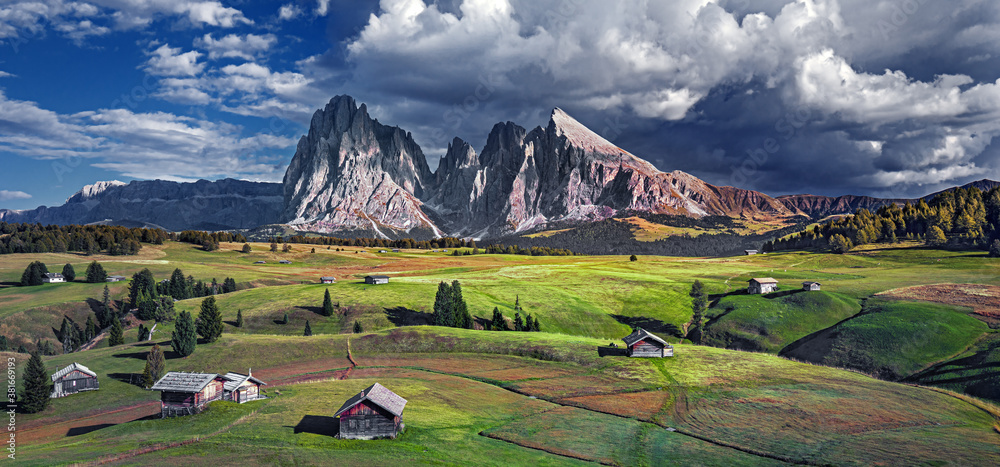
x=188 y=393
x=810 y=286
x=376 y=280
x=242 y=388
x=73 y=379
x=643 y=344
x=373 y=413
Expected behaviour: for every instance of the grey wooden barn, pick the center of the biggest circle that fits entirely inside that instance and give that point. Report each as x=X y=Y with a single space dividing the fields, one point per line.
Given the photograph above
x=810 y=286
x=376 y=279
x=73 y=379
x=642 y=343
x=188 y=393
x=242 y=388
x=373 y=413
x=761 y=285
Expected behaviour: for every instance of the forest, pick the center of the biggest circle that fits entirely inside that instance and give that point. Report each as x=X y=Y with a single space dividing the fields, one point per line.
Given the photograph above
x=88 y=239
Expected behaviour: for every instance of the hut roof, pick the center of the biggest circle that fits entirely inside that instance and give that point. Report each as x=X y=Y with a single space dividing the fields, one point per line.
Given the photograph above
x=810 y=283
x=378 y=395
x=54 y=275
x=764 y=280
x=327 y=278
x=640 y=334
x=236 y=379
x=69 y=369
x=185 y=382
x=378 y=277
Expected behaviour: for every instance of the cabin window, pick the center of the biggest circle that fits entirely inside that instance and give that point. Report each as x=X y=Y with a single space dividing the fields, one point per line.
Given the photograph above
x=368 y=423
x=74 y=383
x=353 y=424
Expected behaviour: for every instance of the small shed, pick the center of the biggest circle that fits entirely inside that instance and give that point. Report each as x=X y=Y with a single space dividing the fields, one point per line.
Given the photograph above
x=73 y=379
x=51 y=277
x=284 y=261
x=260 y=262
x=375 y=280
x=761 y=285
x=373 y=413
x=382 y=251
x=810 y=286
x=327 y=279
x=122 y=278
x=242 y=388
x=395 y=250
x=188 y=393
x=642 y=343
x=750 y=252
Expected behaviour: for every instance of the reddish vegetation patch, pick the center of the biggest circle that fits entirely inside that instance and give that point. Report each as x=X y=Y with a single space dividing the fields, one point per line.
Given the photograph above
x=45 y=430
x=983 y=299
x=578 y=386
x=277 y=373
x=520 y=373
x=639 y=405
x=461 y=365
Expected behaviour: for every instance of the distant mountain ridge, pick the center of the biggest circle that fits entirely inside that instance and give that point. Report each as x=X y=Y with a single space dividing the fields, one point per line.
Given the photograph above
x=352 y=175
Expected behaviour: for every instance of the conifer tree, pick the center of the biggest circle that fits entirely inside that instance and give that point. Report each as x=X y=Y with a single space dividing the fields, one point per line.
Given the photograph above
x=498 y=323
x=147 y=377
x=104 y=319
x=239 y=318
x=37 y=386
x=285 y=319
x=357 y=327
x=246 y=248
x=156 y=362
x=34 y=273
x=459 y=309
x=96 y=273
x=699 y=304
x=209 y=321
x=184 y=338
x=327 y=304
x=90 y=331
x=308 y=331
x=518 y=322
x=443 y=310
x=117 y=334
x=633 y=258
x=69 y=273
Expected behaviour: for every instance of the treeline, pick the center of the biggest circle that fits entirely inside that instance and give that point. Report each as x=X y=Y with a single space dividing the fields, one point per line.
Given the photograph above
x=88 y=239
x=209 y=241
x=155 y=300
x=965 y=218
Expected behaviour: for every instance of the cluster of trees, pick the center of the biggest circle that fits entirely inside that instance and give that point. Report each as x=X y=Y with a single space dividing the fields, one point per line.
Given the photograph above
x=208 y=325
x=499 y=322
x=88 y=239
x=449 y=307
x=444 y=242
x=209 y=241
x=699 y=304
x=35 y=273
x=527 y=251
x=155 y=300
x=72 y=336
x=42 y=347
x=959 y=217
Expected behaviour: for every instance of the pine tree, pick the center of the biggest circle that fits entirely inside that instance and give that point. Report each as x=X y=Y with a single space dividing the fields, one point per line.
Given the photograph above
x=117 y=334
x=239 y=318
x=246 y=248
x=184 y=338
x=142 y=334
x=443 y=310
x=699 y=304
x=498 y=323
x=357 y=327
x=518 y=322
x=69 y=273
x=37 y=386
x=633 y=258
x=96 y=273
x=104 y=319
x=147 y=377
x=285 y=319
x=178 y=286
x=91 y=328
x=274 y=245
x=459 y=309
x=156 y=362
x=34 y=273
x=327 y=304
x=308 y=331
x=209 y=320
x=935 y=236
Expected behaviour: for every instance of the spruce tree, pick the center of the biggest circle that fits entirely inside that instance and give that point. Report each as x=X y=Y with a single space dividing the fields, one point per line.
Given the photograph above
x=699 y=304
x=239 y=318
x=96 y=273
x=459 y=309
x=246 y=248
x=90 y=331
x=104 y=319
x=498 y=323
x=34 y=273
x=518 y=322
x=178 y=285
x=443 y=310
x=156 y=362
x=209 y=320
x=284 y=320
x=184 y=338
x=357 y=327
x=117 y=334
x=633 y=258
x=37 y=386
x=308 y=331
x=327 y=304
x=69 y=273
x=147 y=377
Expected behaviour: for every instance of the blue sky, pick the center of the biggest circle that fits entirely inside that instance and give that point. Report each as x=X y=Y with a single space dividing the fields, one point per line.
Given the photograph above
x=882 y=97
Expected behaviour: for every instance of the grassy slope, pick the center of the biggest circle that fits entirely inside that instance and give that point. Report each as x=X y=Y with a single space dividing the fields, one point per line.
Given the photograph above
x=455 y=380
x=975 y=371
x=767 y=323
x=892 y=339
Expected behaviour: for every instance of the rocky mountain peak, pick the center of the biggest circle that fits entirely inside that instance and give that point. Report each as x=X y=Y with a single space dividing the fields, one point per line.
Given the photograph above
x=93 y=190
x=561 y=124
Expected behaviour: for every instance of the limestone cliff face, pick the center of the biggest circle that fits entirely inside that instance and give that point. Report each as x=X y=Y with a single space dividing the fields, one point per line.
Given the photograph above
x=350 y=172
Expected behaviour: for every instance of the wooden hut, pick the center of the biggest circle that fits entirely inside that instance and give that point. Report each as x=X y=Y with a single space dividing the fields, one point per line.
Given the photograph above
x=374 y=280
x=242 y=388
x=73 y=379
x=52 y=277
x=760 y=285
x=810 y=286
x=641 y=343
x=750 y=252
x=373 y=413
x=188 y=393
x=327 y=279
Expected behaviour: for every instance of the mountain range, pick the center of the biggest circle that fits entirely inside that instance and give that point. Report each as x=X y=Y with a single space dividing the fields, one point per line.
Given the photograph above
x=354 y=176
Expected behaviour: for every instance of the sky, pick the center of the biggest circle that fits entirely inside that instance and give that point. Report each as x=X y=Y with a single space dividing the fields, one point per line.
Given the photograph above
x=894 y=98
